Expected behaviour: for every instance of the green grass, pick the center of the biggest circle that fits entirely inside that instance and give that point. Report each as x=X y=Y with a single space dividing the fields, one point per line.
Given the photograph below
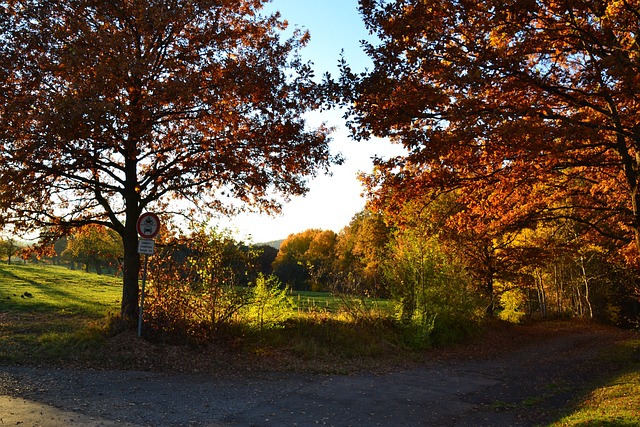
x=307 y=301
x=48 y=313
x=616 y=402
x=55 y=289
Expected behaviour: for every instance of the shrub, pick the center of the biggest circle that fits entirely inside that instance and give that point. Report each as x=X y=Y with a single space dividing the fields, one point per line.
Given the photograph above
x=513 y=303
x=194 y=296
x=269 y=303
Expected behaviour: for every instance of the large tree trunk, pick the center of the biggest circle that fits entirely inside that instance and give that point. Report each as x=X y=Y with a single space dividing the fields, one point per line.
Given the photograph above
x=131 y=263
x=133 y=208
x=131 y=269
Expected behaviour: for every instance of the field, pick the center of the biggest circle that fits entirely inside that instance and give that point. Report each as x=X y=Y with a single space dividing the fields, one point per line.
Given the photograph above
x=57 y=290
x=48 y=313
x=306 y=301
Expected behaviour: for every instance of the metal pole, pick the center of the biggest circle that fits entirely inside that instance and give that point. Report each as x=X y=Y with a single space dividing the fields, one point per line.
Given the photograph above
x=144 y=279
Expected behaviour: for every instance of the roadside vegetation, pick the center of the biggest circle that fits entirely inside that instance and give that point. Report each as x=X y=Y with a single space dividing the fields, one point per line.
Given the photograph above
x=53 y=315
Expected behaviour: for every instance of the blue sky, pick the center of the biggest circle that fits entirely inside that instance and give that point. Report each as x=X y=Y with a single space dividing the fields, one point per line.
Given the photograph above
x=334 y=25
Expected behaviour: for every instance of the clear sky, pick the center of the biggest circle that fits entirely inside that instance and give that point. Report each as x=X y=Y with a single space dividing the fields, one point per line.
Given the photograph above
x=332 y=201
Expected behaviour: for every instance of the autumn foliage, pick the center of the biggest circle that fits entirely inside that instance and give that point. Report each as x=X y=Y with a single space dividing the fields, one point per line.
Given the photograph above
x=526 y=111
x=520 y=125
x=108 y=109
x=519 y=120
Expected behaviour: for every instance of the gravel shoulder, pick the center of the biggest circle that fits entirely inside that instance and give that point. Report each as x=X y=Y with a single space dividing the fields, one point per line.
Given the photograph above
x=516 y=377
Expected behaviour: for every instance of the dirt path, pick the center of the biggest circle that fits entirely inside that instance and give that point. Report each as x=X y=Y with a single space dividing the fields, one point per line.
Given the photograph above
x=519 y=381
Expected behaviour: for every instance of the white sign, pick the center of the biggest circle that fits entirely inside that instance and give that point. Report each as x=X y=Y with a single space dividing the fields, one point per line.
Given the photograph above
x=146 y=246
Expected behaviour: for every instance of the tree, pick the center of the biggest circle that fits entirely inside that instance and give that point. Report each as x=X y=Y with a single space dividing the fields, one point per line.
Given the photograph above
x=303 y=255
x=290 y=263
x=108 y=109
x=432 y=289
x=361 y=249
x=265 y=256
x=527 y=110
x=320 y=259
x=94 y=245
x=9 y=247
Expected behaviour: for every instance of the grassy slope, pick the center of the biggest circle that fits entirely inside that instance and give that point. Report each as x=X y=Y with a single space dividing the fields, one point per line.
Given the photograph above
x=50 y=312
x=57 y=290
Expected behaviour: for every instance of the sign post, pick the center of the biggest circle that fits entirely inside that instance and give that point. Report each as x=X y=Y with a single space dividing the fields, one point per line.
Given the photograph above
x=148 y=226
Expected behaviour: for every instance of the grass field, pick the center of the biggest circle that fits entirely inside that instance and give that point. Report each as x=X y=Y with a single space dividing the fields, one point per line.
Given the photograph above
x=325 y=301
x=58 y=290
x=50 y=312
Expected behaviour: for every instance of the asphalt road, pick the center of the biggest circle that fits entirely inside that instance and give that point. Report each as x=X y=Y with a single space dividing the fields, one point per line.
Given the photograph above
x=524 y=387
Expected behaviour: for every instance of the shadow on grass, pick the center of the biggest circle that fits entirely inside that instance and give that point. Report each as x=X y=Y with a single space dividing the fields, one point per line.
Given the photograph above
x=612 y=400
x=47 y=289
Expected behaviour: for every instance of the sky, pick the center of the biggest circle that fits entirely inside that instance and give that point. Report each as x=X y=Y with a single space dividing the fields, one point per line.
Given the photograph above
x=331 y=203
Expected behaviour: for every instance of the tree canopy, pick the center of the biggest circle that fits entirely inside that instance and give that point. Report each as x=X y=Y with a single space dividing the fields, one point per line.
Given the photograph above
x=111 y=108
x=525 y=110
x=302 y=254
x=94 y=246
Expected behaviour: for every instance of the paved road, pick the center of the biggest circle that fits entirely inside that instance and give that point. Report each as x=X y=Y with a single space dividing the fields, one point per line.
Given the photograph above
x=520 y=388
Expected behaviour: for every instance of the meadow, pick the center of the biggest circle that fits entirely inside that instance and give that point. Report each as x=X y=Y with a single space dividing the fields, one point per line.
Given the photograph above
x=51 y=314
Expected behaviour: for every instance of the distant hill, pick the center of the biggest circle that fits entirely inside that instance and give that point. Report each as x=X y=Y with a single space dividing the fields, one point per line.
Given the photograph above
x=274 y=243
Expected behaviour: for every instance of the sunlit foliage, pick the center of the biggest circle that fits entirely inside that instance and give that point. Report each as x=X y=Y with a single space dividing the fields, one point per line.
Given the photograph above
x=526 y=109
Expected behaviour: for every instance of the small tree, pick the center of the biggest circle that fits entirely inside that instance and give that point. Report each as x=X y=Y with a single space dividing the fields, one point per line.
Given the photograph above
x=513 y=303
x=9 y=247
x=269 y=302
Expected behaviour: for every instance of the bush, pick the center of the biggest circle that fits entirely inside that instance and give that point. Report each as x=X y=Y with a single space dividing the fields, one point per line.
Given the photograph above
x=269 y=304
x=196 y=294
x=513 y=303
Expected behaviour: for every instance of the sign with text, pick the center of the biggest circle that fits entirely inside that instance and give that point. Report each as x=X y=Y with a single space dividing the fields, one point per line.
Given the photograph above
x=146 y=246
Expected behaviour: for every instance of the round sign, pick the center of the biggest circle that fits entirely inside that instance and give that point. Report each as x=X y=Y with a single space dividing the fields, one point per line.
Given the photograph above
x=148 y=225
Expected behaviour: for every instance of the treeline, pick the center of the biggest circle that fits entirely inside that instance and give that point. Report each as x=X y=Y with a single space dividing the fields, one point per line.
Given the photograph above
x=422 y=259
x=442 y=277
x=419 y=258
